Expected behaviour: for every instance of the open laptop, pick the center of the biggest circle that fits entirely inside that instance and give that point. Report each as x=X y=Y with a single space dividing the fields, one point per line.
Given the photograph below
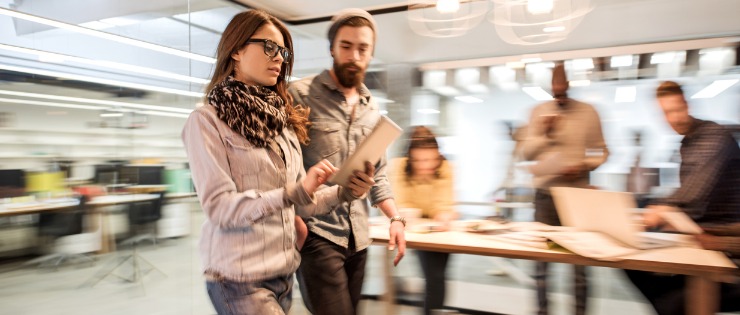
x=610 y=213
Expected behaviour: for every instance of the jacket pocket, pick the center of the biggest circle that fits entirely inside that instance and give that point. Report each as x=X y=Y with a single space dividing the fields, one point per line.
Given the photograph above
x=245 y=162
x=325 y=138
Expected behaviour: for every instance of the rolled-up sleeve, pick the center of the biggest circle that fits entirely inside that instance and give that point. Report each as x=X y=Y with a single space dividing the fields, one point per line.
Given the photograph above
x=382 y=188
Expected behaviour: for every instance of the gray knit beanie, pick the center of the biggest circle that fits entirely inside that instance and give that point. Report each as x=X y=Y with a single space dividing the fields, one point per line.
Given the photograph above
x=342 y=16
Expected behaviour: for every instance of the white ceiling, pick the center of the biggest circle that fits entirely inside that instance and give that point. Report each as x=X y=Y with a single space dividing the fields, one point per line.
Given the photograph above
x=610 y=23
x=195 y=26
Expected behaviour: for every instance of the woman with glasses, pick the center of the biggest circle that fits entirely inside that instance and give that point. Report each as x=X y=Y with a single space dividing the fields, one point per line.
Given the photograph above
x=423 y=180
x=247 y=167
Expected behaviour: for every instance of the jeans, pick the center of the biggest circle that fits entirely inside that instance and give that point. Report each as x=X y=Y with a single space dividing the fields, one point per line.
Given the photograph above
x=545 y=212
x=269 y=297
x=434 y=266
x=330 y=276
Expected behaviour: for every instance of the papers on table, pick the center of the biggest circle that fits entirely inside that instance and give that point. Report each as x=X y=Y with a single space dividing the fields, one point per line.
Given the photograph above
x=587 y=244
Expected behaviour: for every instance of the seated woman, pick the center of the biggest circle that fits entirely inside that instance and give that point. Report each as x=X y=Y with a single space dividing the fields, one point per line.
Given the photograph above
x=423 y=180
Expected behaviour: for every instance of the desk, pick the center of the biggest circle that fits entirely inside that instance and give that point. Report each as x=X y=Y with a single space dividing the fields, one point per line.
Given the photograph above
x=38 y=206
x=109 y=200
x=704 y=268
x=179 y=195
x=145 y=189
x=108 y=243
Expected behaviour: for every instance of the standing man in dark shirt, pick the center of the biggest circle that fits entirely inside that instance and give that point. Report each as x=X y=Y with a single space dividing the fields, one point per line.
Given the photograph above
x=710 y=166
x=709 y=193
x=343 y=113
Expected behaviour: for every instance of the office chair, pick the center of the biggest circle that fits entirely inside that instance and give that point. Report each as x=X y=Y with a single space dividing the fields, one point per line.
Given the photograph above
x=71 y=242
x=141 y=214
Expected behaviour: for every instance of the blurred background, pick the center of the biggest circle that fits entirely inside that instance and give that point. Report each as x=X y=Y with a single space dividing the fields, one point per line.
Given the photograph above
x=94 y=94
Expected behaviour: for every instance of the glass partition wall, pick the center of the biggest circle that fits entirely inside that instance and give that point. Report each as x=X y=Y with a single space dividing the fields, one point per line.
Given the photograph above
x=94 y=95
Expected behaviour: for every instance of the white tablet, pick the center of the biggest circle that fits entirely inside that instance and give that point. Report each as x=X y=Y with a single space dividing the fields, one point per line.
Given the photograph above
x=370 y=150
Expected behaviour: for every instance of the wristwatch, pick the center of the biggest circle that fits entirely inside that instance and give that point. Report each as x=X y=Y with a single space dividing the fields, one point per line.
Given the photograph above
x=399 y=218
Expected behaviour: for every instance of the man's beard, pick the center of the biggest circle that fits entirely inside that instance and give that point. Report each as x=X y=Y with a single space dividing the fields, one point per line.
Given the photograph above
x=349 y=78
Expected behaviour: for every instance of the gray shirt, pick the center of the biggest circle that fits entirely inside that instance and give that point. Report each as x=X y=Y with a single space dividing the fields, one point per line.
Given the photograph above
x=250 y=196
x=337 y=129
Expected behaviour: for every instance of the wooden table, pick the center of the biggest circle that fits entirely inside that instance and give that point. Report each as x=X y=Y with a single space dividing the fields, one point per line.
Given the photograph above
x=38 y=206
x=179 y=195
x=145 y=189
x=704 y=268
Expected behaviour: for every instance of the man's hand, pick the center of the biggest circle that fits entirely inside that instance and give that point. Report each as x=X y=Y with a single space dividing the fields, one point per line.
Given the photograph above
x=397 y=238
x=652 y=218
x=361 y=182
x=301 y=232
x=549 y=124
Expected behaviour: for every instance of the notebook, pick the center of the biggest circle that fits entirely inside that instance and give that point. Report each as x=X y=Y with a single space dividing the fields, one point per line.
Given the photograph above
x=370 y=150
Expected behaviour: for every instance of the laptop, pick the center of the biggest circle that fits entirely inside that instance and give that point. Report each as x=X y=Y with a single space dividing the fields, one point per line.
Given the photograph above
x=608 y=212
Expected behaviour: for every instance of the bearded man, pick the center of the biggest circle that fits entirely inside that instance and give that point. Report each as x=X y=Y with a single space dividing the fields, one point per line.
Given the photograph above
x=342 y=114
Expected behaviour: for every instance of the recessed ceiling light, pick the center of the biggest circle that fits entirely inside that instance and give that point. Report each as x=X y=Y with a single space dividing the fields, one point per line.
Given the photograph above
x=625 y=94
x=468 y=99
x=662 y=57
x=537 y=93
x=110 y=115
x=427 y=111
x=621 y=61
x=108 y=36
x=577 y=83
x=715 y=88
x=78 y=77
x=96 y=101
x=583 y=64
x=477 y=88
x=446 y=90
x=46 y=56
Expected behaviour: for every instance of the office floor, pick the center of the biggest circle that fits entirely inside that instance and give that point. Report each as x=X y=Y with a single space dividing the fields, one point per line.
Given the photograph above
x=30 y=291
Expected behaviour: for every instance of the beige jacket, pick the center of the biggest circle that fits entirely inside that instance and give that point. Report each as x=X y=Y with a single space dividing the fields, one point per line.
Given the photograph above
x=250 y=197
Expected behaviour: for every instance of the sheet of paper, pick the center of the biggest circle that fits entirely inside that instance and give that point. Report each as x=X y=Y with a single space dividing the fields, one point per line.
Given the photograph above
x=529 y=239
x=592 y=245
x=549 y=164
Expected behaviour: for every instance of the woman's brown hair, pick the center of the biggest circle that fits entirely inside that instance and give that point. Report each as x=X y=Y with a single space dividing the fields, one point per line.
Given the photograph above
x=235 y=36
x=421 y=137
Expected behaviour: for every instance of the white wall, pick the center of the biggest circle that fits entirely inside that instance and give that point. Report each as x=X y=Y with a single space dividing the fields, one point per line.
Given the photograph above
x=480 y=148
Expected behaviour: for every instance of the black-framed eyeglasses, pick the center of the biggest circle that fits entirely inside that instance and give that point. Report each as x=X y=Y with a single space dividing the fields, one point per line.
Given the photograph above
x=272 y=48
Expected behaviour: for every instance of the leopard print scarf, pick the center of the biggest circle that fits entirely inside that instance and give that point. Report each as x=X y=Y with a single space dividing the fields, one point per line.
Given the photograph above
x=255 y=112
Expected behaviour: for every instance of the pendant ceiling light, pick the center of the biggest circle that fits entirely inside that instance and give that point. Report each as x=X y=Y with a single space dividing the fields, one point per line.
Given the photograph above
x=535 y=22
x=445 y=18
